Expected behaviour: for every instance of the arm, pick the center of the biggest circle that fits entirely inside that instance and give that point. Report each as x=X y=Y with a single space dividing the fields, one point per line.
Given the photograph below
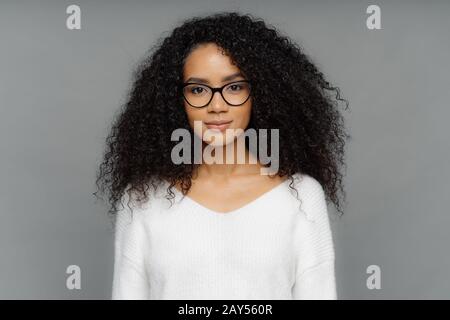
x=129 y=280
x=316 y=283
x=315 y=269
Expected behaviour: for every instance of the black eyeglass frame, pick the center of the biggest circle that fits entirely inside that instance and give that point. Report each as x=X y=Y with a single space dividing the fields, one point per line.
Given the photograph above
x=214 y=90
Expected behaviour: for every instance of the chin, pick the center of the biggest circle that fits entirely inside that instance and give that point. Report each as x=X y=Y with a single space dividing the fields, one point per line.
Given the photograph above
x=218 y=139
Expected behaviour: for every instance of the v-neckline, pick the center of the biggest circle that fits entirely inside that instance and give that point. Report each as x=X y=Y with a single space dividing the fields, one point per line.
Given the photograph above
x=235 y=211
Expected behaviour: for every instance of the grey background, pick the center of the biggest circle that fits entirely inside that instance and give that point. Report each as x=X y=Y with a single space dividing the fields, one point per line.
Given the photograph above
x=59 y=90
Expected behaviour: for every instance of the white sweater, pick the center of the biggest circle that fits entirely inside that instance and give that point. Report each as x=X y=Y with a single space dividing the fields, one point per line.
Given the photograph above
x=274 y=247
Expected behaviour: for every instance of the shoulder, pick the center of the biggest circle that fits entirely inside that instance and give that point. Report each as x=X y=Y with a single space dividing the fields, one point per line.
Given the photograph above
x=134 y=209
x=313 y=232
x=129 y=215
x=308 y=184
x=311 y=196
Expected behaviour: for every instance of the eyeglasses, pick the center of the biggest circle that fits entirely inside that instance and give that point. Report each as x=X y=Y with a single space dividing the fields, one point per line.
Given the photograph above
x=200 y=95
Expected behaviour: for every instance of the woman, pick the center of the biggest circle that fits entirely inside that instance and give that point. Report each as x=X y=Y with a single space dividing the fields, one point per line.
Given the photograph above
x=232 y=231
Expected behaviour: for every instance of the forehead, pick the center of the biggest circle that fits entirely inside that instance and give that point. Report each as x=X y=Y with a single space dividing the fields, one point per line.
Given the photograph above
x=208 y=61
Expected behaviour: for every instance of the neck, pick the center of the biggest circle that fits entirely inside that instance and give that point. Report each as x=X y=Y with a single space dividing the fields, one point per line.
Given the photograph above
x=229 y=167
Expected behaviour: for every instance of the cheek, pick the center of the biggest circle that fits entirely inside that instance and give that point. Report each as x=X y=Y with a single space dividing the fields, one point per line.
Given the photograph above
x=243 y=116
x=193 y=114
x=196 y=115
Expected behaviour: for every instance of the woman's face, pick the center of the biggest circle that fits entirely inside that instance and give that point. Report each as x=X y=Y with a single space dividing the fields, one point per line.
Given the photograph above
x=207 y=65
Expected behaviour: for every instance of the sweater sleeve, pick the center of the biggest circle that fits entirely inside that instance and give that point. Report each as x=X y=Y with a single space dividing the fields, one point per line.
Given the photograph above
x=129 y=280
x=315 y=269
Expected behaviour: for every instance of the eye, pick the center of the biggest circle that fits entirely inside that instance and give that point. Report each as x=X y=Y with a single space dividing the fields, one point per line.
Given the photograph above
x=197 y=90
x=235 y=87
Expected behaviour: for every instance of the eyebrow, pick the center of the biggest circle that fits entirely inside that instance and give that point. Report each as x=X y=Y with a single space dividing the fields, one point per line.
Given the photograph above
x=227 y=78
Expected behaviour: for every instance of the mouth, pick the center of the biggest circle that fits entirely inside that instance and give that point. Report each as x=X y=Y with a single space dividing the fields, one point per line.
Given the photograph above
x=218 y=125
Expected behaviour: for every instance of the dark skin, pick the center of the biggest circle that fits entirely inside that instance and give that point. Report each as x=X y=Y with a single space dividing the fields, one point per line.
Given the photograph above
x=226 y=187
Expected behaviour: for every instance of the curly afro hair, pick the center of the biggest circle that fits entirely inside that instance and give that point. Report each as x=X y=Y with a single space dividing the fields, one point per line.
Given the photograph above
x=288 y=93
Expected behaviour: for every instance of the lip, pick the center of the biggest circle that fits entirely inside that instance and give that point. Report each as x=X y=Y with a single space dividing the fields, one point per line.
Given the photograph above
x=218 y=125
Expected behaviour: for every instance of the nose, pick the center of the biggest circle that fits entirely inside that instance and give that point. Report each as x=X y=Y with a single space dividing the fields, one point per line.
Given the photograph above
x=217 y=103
